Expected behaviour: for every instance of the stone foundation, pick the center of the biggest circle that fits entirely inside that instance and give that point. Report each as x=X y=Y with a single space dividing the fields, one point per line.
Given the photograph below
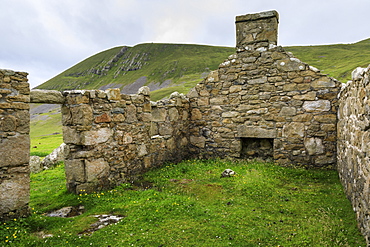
x=14 y=145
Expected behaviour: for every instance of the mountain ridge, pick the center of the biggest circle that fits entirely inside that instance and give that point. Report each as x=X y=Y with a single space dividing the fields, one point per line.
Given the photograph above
x=179 y=65
x=166 y=68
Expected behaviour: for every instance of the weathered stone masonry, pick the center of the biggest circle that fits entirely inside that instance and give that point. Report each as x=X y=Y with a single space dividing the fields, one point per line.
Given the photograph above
x=353 y=145
x=113 y=137
x=14 y=144
x=263 y=98
x=261 y=102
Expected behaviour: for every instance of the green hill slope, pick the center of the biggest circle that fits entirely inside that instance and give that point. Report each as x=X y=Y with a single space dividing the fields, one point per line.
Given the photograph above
x=178 y=67
x=338 y=60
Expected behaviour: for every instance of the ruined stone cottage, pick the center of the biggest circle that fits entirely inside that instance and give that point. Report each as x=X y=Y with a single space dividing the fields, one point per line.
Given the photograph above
x=261 y=102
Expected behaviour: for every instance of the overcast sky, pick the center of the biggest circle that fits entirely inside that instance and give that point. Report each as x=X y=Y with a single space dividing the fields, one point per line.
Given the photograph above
x=45 y=37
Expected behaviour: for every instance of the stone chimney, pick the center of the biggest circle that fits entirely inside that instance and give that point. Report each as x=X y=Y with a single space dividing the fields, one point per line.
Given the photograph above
x=255 y=28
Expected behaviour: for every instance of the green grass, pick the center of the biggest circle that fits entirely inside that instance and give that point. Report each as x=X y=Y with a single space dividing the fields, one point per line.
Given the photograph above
x=189 y=82
x=44 y=145
x=188 y=204
x=46 y=134
x=338 y=61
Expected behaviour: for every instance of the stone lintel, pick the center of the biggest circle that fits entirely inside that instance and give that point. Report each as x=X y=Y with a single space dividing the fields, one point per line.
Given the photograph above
x=255 y=132
x=46 y=96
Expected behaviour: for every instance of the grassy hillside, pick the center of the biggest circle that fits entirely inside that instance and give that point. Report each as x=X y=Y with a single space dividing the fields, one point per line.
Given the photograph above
x=338 y=61
x=120 y=66
x=183 y=66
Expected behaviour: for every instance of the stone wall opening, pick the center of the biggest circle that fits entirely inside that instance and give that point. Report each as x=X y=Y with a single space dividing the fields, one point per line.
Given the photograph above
x=44 y=140
x=261 y=148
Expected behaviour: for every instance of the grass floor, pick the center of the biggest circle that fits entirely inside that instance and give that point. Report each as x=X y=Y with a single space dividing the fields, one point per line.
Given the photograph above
x=188 y=204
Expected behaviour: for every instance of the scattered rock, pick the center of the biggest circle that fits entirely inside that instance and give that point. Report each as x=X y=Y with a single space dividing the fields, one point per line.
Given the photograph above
x=42 y=234
x=358 y=73
x=227 y=173
x=56 y=156
x=35 y=164
x=103 y=221
x=67 y=212
x=144 y=90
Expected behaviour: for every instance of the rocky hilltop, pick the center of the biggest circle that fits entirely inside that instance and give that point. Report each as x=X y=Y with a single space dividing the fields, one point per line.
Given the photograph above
x=166 y=68
x=154 y=65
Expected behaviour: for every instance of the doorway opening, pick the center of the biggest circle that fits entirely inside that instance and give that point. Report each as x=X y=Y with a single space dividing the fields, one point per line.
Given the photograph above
x=45 y=135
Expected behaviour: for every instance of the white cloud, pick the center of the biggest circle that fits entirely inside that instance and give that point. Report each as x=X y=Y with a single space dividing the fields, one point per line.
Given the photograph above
x=45 y=37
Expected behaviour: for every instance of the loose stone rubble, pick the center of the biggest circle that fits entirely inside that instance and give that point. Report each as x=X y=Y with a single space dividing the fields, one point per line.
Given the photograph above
x=227 y=173
x=103 y=221
x=67 y=212
x=59 y=154
x=35 y=164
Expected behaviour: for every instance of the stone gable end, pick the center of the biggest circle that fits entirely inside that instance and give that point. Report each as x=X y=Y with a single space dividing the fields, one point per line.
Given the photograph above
x=264 y=92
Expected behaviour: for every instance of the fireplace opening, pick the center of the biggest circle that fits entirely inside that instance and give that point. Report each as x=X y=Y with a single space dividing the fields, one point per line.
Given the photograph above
x=261 y=148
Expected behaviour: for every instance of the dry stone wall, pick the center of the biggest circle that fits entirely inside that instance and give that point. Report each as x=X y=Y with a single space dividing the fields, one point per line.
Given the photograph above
x=263 y=98
x=113 y=137
x=353 y=145
x=14 y=144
